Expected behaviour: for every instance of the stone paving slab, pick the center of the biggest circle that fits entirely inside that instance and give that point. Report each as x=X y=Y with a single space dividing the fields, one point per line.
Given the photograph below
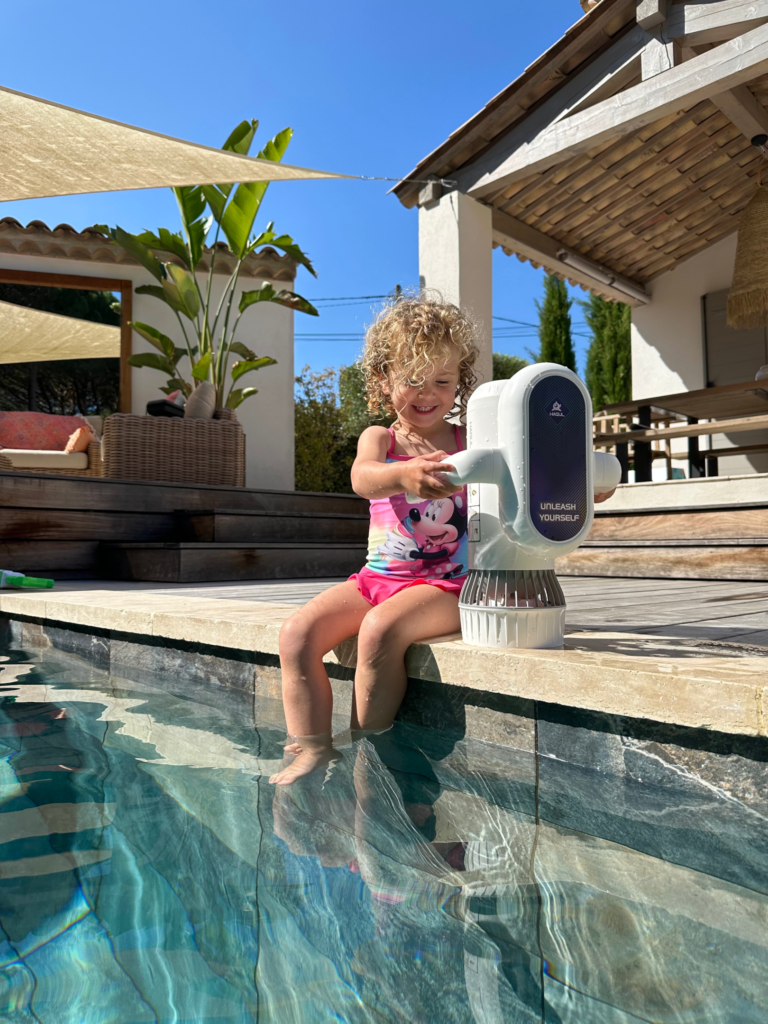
x=696 y=609
x=688 y=682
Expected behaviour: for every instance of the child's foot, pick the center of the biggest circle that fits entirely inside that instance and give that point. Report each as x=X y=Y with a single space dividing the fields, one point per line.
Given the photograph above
x=339 y=739
x=306 y=762
x=294 y=747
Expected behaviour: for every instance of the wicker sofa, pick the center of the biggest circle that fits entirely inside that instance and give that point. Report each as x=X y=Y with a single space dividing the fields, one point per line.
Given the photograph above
x=171 y=450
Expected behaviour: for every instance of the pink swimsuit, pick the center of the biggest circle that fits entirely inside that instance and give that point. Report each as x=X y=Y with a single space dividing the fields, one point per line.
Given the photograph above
x=413 y=541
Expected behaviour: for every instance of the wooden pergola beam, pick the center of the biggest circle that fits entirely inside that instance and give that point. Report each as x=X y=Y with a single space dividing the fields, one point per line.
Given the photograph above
x=504 y=108
x=568 y=201
x=742 y=109
x=608 y=70
x=723 y=68
x=651 y=13
x=693 y=23
x=522 y=239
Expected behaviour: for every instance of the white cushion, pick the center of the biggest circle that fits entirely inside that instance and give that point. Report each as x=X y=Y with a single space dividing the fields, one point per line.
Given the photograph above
x=96 y=424
x=23 y=458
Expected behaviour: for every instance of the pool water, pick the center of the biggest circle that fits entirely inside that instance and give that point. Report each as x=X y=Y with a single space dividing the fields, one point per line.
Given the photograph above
x=150 y=873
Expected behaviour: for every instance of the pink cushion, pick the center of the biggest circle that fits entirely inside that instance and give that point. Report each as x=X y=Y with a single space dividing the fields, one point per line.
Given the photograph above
x=37 y=431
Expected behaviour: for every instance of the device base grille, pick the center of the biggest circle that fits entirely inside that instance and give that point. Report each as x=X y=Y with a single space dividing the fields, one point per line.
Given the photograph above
x=511 y=588
x=536 y=628
x=512 y=608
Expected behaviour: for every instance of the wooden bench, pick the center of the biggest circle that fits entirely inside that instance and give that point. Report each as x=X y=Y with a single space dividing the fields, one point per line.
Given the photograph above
x=650 y=425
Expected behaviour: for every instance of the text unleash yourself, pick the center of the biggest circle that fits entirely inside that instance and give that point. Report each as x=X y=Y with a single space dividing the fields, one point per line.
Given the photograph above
x=558 y=512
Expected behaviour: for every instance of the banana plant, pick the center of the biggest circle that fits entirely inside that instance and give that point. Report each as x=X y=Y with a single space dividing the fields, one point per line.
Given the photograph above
x=207 y=326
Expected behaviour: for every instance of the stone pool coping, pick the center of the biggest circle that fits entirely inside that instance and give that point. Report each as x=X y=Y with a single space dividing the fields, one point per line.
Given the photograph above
x=690 y=683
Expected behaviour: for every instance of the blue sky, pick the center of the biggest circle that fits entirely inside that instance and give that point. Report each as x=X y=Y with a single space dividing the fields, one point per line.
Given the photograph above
x=369 y=88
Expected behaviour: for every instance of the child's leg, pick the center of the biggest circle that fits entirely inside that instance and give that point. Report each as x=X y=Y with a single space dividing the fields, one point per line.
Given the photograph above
x=309 y=634
x=385 y=635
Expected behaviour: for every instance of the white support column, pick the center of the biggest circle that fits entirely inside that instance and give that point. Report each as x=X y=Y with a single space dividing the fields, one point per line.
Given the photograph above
x=455 y=259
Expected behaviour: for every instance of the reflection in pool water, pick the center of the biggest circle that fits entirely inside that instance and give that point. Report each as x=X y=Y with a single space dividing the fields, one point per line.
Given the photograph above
x=148 y=872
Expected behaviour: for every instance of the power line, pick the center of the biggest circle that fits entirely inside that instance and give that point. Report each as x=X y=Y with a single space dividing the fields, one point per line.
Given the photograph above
x=336 y=305
x=346 y=298
x=506 y=319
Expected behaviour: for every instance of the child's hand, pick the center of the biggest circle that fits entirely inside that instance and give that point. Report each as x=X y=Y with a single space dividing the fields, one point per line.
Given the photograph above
x=421 y=476
x=604 y=497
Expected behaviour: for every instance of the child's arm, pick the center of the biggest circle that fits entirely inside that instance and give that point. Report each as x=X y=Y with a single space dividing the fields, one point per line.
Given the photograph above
x=373 y=477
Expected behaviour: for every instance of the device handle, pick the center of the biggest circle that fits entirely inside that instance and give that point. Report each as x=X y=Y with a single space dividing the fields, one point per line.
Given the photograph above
x=474 y=465
x=606 y=472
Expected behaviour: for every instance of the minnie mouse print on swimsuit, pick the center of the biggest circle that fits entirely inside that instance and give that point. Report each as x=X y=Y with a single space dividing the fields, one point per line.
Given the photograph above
x=429 y=539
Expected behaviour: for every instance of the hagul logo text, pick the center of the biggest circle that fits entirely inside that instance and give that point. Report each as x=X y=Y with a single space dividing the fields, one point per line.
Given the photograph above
x=557 y=411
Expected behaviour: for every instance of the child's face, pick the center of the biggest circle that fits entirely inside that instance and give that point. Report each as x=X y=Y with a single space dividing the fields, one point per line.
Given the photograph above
x=426 y=405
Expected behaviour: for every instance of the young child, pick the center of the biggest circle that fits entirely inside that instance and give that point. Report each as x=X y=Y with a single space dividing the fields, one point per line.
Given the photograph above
x=418 y=364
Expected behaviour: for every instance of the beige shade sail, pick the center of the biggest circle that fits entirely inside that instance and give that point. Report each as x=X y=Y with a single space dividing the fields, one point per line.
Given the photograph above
x=32 y=336
x=50 y=150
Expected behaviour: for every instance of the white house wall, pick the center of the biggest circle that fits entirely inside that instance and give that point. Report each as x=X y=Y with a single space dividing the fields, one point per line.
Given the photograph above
x=667 y=339
x=267 y=418
x=668 y=344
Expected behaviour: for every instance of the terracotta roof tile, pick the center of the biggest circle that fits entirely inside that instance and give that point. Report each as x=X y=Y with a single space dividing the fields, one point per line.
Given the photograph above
x=89 y=245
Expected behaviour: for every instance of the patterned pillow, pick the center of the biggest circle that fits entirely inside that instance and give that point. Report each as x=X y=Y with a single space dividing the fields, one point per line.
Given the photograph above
x=37 y=431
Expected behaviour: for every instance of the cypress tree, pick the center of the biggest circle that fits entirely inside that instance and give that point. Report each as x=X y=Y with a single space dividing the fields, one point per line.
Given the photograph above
x=609 y=359
x=556 y=344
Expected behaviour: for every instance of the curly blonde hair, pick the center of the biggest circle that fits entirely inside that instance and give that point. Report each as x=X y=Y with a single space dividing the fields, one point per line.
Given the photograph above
x=408 y=338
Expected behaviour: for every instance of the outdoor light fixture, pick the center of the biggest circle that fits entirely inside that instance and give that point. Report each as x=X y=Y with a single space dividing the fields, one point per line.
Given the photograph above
x=531 y=479
x=599 y=273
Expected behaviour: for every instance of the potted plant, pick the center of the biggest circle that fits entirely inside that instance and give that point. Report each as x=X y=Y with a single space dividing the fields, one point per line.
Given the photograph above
x=209 y=327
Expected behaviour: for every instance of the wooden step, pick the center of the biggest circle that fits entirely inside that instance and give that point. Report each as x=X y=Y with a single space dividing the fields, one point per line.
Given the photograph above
x=701 y=524
x=30 y=490
x=239 y=526
x=68 y=559
x=724 y=561
x=219 y=562
x=53 y=524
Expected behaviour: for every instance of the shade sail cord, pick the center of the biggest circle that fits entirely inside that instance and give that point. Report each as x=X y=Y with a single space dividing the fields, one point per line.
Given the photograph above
x=448 y=182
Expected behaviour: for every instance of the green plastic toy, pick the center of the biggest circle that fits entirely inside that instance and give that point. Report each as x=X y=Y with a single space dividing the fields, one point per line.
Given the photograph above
x=18 y=580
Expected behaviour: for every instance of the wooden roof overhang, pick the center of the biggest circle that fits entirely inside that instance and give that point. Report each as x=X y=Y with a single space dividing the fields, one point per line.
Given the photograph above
x=625 y=148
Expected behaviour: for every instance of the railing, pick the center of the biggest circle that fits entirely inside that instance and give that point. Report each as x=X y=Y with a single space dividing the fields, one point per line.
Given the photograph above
x=609 y=425
x=651 y=432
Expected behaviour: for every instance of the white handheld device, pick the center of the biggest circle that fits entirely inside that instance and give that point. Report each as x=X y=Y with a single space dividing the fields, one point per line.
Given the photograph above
x=532 y=477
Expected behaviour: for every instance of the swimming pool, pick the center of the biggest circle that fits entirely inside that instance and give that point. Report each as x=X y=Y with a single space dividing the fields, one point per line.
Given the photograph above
x=149 y=872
